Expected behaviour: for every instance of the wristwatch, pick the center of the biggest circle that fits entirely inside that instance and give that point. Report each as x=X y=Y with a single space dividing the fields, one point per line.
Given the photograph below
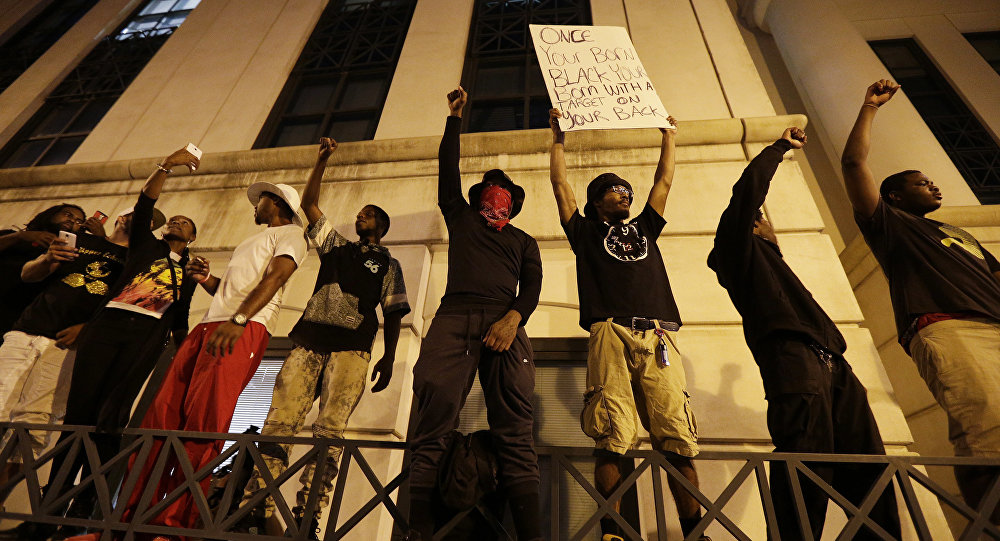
x=239 y=319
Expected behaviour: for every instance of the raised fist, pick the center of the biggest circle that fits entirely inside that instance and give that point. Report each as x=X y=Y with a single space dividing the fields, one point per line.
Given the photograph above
x=880 y=92
x=456 y=100
x=795 y=136
x=326 y=147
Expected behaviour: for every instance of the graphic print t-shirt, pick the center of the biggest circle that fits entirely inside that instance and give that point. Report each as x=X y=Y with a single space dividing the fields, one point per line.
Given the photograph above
x=932 y=267
x=619 y=269
x=246 y=268
x=76 y=289
x=353 y=279
x=152 y=291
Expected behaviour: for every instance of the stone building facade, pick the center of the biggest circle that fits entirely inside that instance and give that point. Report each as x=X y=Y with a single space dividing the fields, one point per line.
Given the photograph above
x=735 y=73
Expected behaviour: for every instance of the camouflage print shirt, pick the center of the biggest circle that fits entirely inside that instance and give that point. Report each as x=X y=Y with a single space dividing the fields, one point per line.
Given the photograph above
x=354 y=278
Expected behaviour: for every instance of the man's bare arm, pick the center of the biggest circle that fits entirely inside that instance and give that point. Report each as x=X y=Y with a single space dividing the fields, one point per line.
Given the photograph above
x=279 y=270
x=565 y=198
x=663 y=178
x=228 y=333
x=42 y=266
x=310 y=196
x=198 y=270
x=382 y=372
x=154 y=183
x=39 y=238
x=858 y=177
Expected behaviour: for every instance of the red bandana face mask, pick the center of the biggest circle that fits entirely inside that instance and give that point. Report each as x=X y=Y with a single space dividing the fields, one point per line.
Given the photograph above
x=494 y=205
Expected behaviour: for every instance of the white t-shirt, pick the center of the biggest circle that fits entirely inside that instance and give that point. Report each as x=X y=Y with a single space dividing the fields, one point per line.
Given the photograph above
x=246 y=269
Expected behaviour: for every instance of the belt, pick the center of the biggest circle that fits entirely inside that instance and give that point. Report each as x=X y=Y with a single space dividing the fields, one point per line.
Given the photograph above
x=644 y=324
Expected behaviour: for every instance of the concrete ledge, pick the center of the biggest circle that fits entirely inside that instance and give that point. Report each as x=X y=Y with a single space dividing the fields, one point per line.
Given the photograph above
x=691 y=134
x=970 y=216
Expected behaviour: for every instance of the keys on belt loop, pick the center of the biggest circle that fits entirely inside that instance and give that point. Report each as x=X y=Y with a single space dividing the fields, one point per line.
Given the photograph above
x=661 y=334
x=825 y=356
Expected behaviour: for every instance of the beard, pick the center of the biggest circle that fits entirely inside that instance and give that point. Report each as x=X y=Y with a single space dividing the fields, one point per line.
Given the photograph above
x=618 y=214
x=56 y=228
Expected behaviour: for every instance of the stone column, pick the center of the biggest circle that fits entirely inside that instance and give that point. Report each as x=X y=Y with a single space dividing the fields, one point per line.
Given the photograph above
x=25 y=95
x=969 y=73
x=15 y=15
x=429 y=66
x=831 y=65
x=213 y=79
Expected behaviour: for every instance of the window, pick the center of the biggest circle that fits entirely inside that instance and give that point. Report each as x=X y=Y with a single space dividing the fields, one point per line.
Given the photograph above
x=339 y=83
x=80 y=101
x=965 y=140
x=506 y=90
x=255 y=400
x=988 y=45
x=31 y=42
x=157 y=18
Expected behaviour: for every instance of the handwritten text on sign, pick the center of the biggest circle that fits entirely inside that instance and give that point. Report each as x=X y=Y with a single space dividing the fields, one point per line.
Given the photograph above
x=595 y=78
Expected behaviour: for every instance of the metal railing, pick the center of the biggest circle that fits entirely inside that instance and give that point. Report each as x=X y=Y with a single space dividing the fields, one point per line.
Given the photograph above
x=48 y=506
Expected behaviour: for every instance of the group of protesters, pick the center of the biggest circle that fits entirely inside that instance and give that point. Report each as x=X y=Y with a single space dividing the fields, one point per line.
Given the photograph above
x=88 y=305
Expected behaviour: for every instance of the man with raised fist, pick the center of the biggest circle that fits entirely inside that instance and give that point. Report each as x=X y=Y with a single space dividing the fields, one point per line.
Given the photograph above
x=494 y=279
x=815 y=403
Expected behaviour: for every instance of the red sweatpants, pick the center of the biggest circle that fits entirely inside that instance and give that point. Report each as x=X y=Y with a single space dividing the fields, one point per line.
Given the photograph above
x=198 y=394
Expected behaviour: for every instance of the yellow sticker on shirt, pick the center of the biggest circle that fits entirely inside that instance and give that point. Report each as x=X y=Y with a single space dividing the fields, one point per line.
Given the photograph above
x=958 y=237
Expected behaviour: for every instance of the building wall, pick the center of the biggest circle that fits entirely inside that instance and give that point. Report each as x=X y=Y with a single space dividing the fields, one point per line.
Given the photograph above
x=215 y=80
x=937 y=26
x=722 y=375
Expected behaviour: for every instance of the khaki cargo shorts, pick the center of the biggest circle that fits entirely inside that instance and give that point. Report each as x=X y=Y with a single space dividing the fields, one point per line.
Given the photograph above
x=628 y=385
x=959 y=360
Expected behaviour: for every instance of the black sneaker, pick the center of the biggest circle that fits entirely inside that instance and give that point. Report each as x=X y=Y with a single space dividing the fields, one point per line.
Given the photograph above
x=313 y=527
x=253 y=523
x=66 y=531
x=33 y=531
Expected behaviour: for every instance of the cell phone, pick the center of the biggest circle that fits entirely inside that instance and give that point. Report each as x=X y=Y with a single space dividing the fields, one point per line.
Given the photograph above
x=68 y=238
x=101 y=217
x=193 y=150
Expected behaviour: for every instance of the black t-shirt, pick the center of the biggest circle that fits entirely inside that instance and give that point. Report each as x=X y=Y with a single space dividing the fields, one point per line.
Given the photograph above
x=76 y=289
x=16 y=295
x=619 y=269
x=932 y=267
x=353 y=279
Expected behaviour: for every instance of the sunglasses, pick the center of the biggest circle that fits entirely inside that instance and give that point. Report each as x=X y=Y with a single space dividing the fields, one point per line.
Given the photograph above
x=622 y=190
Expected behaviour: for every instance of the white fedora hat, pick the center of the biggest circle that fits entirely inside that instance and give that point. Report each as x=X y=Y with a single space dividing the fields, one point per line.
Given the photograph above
x=284 y=191
x=158 y=218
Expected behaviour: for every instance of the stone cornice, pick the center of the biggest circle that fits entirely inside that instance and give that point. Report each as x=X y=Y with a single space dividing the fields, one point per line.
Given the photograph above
x=691 y=133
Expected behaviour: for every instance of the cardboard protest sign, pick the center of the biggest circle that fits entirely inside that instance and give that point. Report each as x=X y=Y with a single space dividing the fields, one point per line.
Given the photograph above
x=595 y=78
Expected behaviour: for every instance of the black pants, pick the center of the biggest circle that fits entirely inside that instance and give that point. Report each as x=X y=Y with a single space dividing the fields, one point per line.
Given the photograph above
x=114 y=357
x=442 y=377
x=825 y=412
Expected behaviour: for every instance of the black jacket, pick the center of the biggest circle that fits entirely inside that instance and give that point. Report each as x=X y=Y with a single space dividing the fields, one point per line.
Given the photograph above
x=763 y=288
